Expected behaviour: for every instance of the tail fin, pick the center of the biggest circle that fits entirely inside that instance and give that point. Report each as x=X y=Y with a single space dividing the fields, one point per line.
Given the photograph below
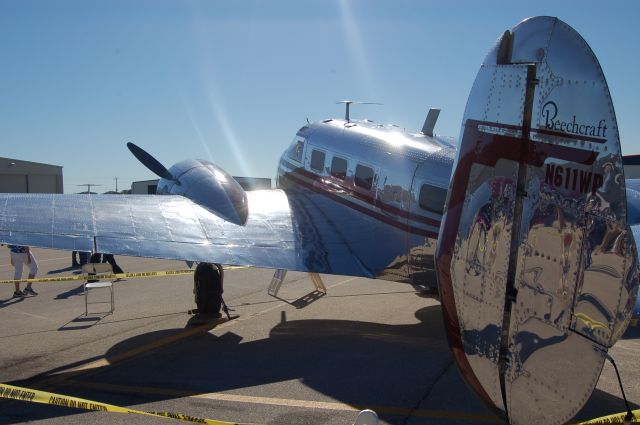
x=537 y=267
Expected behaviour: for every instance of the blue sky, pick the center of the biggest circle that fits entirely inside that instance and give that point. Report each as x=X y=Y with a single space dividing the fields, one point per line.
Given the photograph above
x=232 y=81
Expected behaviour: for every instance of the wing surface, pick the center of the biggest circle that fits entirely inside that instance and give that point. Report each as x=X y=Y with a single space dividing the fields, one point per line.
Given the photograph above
x=633 y=219
x=278 y=233
x=633 y=201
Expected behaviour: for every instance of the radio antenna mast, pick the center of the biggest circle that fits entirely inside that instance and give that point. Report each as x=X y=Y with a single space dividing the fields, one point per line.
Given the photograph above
x=349 y=102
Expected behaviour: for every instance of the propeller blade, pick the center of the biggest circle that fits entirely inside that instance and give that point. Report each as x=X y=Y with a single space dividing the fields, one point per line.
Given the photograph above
x=150 y=162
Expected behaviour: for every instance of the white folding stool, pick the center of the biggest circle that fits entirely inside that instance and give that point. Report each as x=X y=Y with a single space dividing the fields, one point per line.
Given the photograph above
x=96 y=269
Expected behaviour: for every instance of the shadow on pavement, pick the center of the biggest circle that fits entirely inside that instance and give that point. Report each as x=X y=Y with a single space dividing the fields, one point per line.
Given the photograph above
x=353 y=362
x=10 y=301
x=76 y=270
x=71 y=292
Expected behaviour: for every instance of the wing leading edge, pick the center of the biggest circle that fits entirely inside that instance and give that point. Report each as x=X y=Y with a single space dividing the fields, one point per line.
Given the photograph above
x=173 y=227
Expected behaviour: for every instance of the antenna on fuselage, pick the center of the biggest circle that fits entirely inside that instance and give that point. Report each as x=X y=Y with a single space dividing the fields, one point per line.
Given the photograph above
x=349 y=102
x=430 y=122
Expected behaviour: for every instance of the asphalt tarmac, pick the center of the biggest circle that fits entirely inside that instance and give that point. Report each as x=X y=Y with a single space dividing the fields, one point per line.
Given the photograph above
x=299 y=359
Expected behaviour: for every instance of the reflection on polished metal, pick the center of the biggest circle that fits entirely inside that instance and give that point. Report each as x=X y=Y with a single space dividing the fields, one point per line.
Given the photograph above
x=537 y=266
x=366 y=417
x=280 y=275
x=383 y=224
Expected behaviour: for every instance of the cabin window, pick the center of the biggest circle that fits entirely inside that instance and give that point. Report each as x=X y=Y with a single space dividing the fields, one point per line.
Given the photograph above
x=364 y=176
x=432 y=198
x=339 y=167
x=317 y=160
x=296 y=149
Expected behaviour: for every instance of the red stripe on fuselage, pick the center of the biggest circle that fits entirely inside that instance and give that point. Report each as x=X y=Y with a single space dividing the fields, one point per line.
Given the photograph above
x=350 y=192
x=569 y=135
x=298 y=177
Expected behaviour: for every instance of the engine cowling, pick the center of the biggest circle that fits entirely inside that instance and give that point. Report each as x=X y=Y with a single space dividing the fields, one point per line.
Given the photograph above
x=209 y=186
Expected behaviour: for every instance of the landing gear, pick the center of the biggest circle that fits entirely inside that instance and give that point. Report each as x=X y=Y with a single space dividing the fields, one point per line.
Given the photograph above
x=207 y=287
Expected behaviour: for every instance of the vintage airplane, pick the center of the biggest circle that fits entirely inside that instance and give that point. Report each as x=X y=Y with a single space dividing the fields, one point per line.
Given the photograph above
x=527 y=223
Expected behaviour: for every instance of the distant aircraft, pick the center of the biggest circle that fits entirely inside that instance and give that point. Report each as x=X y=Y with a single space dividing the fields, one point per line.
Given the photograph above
x=527 y=225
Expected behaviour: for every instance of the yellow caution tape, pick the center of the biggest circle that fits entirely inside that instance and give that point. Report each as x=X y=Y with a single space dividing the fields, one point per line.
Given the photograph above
x=44 y=397
x=617 y=418
x=106 y=276
x=103 y=276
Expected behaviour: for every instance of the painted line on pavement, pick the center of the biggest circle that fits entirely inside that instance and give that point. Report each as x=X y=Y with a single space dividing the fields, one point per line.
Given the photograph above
x=284 y=402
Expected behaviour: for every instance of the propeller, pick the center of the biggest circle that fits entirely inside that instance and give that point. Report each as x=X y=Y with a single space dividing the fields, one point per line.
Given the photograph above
x=150 y=162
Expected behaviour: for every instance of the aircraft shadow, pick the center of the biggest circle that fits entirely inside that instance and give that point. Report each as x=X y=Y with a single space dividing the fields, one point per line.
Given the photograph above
x=353 y=362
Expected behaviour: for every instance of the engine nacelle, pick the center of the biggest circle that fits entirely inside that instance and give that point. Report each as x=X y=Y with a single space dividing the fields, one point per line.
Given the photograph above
x=209 y=186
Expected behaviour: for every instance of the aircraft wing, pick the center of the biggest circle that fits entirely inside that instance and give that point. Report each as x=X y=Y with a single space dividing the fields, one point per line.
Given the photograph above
x=633 y=202
x=279 y=233
x=633 y=218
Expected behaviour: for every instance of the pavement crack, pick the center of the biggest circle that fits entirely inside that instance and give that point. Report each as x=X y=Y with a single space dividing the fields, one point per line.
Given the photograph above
x=428 y=391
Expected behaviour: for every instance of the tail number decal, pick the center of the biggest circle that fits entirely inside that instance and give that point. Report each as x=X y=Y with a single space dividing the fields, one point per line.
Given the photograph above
x=573 y=178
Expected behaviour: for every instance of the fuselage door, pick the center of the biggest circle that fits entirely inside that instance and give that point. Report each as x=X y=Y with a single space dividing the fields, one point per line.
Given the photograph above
x=426 y=204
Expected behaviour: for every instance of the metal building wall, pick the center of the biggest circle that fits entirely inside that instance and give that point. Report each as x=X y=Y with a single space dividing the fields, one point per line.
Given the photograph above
x=18 y=176
x=147 y=187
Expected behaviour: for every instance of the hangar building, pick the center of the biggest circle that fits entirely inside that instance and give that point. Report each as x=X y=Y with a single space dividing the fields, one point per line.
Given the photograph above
x=17 y=176
x=148 y=187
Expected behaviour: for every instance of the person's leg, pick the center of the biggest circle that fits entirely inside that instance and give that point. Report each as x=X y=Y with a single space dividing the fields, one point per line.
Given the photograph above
x=109 y=258
x=84 y=257
x=17 y=259
x=33 y=270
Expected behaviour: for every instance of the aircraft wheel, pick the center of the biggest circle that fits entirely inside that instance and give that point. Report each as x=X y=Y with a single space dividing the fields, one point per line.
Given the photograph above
x=207 y=287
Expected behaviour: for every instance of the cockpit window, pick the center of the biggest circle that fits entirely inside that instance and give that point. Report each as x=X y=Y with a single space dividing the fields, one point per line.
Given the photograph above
x=432 y=198
x=296 y=149
x=364 y=176
x=317 y=160
x=339 y=167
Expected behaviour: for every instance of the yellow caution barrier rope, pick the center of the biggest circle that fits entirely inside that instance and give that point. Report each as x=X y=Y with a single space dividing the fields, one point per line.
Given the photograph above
x=617 y=418
x=106 y=276
x=44 y=397
x=103 y=276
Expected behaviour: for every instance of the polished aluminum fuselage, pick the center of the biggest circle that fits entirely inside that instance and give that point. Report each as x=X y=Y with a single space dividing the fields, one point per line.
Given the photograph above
x=391 y=227
x=537 y=262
